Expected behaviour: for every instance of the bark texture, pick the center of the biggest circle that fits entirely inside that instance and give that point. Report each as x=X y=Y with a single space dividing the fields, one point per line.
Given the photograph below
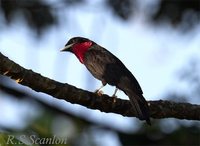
x=158 y=109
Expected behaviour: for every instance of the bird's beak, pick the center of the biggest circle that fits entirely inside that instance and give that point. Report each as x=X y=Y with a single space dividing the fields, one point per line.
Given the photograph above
x=67 y=48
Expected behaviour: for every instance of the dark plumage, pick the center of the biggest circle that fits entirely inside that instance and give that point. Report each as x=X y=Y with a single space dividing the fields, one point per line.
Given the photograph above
x=106 y=67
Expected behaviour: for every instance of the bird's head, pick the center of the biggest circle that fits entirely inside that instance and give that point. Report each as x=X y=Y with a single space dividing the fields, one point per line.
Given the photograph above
x=78 y=46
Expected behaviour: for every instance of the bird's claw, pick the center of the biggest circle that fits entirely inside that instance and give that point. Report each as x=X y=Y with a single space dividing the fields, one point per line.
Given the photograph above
x=114 y=98
x=99 y=92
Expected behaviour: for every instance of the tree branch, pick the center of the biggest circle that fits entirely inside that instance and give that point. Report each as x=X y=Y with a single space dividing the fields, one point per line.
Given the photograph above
x=158 y=109
x=51 y=107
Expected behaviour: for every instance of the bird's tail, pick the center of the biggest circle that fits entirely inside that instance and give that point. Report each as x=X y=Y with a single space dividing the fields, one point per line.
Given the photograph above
x=140 y=106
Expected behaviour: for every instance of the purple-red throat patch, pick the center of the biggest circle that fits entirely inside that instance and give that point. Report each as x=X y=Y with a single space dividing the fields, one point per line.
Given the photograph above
x=79 y=49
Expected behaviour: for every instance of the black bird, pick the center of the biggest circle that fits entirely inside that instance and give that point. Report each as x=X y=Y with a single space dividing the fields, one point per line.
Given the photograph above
x=106 y=67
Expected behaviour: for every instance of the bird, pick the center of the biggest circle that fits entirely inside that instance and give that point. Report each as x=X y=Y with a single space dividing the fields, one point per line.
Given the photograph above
x=107 y=68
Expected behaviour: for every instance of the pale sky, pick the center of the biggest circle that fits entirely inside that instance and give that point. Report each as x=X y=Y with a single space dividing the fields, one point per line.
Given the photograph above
x=153 y=55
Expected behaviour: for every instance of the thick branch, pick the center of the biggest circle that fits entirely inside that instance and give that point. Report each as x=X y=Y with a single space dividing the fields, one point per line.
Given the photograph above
x=158 y=109
x=50 y=107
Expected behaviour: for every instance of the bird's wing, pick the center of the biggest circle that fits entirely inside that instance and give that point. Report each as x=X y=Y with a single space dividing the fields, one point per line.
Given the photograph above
x=107 y=67
x=96 y=60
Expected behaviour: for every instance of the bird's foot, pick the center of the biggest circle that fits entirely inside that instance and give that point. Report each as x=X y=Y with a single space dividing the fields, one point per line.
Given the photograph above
x=114 y=98
x=99 y=92
x=114 y=95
